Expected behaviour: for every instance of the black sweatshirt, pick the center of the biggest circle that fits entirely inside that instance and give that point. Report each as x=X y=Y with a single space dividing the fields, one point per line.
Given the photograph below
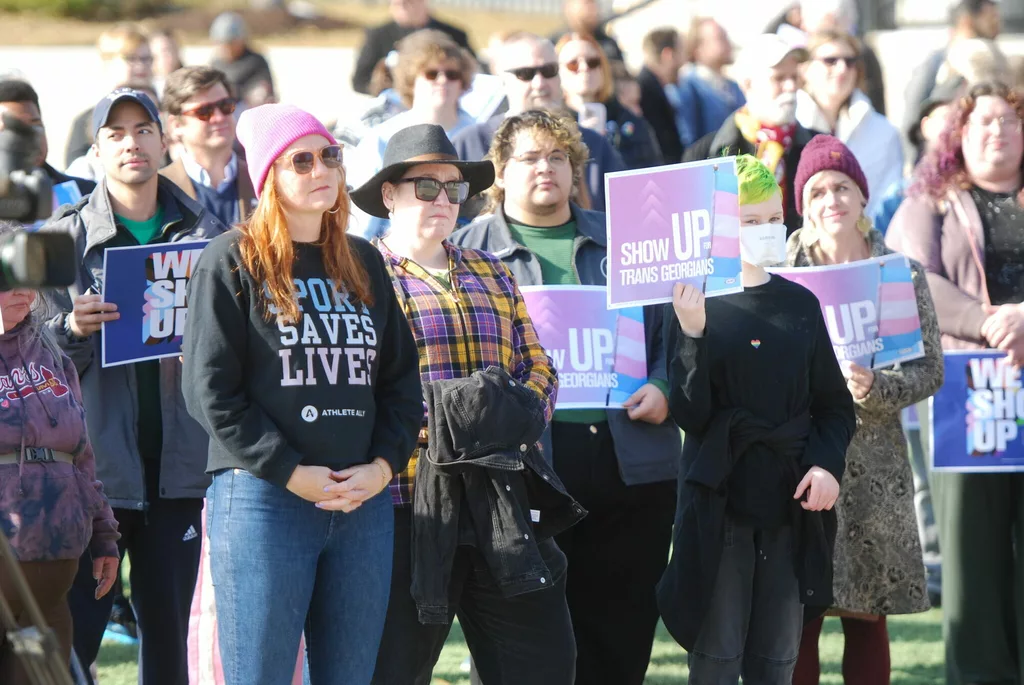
x=340 y=387
x=765 y=350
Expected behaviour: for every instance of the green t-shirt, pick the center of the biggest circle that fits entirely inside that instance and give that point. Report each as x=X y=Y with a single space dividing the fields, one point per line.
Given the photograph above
x=146 y=231
x=147 y=373
x=553 y=247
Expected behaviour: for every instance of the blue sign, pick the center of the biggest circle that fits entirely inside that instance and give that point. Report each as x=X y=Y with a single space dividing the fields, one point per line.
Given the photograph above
x=977 y=415
x=147 y=283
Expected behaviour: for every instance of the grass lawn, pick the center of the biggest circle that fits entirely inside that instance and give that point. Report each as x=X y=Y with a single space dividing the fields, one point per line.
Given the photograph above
x=917 y=656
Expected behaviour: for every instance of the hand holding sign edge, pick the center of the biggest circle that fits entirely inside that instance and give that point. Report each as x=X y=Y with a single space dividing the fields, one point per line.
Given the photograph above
x=688 y=303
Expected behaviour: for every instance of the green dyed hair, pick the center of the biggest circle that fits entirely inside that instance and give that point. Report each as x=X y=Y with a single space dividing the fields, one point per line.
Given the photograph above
x=757 y=183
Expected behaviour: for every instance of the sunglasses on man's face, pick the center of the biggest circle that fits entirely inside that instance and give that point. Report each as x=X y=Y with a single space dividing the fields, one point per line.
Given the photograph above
x=205 y=112
x=449 y=74
x=304 y=160
x=549 y=70
x=427 y=189
x=593 y=63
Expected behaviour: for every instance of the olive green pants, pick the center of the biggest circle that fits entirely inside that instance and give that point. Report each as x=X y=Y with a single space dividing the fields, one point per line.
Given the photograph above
x=981 y=534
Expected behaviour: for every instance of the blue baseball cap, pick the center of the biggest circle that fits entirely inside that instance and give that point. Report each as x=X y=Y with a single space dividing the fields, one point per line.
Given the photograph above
x=102 y=111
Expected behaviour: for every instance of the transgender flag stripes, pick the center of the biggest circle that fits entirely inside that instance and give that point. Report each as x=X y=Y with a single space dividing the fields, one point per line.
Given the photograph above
x=725 y=244
x=630 y=354
x=204 y=667
x=899 y=325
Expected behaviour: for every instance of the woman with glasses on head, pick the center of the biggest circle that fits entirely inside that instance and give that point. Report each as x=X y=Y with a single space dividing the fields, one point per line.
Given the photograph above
x=831 y=102
x=300 y=365
x=468 y=546
x=589 y=88
x=431 y=75
x=964 y=221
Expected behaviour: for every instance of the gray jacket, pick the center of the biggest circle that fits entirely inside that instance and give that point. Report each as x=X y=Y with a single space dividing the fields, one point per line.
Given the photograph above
x=646 y=453
x=110 y=394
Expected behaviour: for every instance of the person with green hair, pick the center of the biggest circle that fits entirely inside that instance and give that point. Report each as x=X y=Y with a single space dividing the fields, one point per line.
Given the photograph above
x=755 y=386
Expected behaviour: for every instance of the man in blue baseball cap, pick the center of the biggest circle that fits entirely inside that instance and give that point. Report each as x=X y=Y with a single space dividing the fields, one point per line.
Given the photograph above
x=151 y=456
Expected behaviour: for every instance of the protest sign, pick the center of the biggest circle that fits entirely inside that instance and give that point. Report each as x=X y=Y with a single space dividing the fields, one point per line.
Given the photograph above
x=147 y=283
x=600 y=354
x=870 y=308
x=670 y=224
x=976 y=414
x=65 y=193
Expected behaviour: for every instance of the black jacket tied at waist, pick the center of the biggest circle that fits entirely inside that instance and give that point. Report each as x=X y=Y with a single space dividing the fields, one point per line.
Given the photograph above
x=482 y=455
x=686 y=588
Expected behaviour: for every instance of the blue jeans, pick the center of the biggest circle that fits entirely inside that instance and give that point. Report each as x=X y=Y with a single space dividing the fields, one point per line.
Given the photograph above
x=280 y=565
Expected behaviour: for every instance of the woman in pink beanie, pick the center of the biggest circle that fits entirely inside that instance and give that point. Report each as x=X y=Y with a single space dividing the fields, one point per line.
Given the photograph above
x=299 y=363
x=877 y=560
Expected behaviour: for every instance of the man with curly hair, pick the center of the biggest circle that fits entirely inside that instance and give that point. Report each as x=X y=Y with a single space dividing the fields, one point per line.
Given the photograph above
x=620 y=464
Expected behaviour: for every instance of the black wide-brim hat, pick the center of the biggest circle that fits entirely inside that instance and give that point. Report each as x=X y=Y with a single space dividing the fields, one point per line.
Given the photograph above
x=420 y=144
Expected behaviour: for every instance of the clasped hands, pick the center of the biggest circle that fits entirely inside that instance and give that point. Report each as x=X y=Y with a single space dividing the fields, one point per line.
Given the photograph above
x=1004 y=330
x=344 y=490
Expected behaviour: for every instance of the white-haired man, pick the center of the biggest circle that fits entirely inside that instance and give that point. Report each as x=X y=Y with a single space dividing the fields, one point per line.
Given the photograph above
x=766 y=127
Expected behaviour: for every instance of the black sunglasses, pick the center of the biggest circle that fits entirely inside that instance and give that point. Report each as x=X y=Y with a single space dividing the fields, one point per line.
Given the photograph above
x=303 y=161
x=427 y=189
x=549 y=70
x=449 y=74
x=850 y=62
x=205 y=112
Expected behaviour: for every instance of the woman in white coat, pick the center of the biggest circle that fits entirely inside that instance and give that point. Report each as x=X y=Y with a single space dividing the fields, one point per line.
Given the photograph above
x=831 y=102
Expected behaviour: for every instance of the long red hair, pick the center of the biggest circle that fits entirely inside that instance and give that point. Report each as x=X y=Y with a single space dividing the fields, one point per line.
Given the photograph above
x=267 y=252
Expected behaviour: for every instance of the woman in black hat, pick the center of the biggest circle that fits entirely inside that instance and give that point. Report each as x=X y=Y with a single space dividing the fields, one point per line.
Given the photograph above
x=476 y=542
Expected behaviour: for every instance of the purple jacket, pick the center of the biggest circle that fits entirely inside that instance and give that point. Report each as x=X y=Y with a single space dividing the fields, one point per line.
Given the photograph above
x=52 y=510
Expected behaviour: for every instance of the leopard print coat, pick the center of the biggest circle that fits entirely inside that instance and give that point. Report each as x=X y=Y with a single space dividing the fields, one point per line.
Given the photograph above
x=878 y=564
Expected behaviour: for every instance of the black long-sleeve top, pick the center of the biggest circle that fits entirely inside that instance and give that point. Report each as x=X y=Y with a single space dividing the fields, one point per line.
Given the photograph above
x=339 y=387
x=765 y=350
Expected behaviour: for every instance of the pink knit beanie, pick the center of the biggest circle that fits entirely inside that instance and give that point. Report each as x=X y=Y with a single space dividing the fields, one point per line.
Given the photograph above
x=266 y=131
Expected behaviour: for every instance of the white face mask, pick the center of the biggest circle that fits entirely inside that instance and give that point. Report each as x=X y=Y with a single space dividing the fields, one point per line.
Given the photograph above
x=763 y=244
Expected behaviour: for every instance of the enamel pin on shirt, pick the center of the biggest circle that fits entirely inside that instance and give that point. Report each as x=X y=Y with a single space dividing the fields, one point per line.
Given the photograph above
x=755 y=343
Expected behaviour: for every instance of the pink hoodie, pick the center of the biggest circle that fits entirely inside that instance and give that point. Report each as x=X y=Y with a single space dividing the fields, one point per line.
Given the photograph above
x=51 y=510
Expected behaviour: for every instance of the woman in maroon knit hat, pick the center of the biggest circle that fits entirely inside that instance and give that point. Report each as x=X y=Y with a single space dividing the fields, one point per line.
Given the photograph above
x=878 y=568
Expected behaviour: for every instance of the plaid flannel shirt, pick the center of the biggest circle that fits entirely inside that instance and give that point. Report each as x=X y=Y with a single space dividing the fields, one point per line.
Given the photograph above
x=477 y=321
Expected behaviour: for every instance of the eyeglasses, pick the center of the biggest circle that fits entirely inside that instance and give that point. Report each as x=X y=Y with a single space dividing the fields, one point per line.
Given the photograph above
x=144 y=60
x=449 y=74
x=549 y=70
x=205 y=112
x=304 y=160
x=427 y=189
x=575 y=65
x=556 y=158
x=1005 y=123
x=830 y=62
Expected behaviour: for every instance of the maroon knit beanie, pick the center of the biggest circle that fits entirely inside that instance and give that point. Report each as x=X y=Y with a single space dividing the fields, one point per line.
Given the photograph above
x=826 y=153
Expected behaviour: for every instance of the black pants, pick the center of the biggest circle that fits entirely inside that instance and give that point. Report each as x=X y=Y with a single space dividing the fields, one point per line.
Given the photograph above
x=163 y=545
x=514 y=640
x=616 y=556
